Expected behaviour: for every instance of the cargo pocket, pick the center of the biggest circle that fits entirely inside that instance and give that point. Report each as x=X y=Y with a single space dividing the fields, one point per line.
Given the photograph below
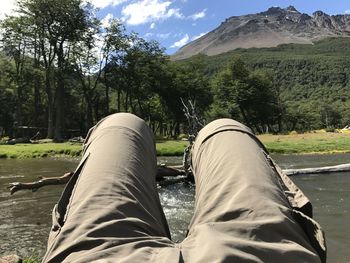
x=314 y=232
x=55 y=225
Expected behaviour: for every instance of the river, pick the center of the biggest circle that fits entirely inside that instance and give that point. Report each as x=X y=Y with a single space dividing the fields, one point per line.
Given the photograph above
x=25 y=217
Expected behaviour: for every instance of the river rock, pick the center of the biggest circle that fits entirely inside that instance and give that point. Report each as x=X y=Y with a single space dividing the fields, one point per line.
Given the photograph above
x=11 y=259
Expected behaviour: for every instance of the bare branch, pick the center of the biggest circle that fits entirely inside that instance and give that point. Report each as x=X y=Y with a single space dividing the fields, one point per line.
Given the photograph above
x=162 y=172
x=34 y=186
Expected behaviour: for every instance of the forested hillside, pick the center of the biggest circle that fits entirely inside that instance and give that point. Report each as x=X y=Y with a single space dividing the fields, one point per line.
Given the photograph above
x=312 y=81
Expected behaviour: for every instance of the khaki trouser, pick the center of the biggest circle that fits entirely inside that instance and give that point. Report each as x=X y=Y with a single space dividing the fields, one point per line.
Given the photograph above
x=246 y=210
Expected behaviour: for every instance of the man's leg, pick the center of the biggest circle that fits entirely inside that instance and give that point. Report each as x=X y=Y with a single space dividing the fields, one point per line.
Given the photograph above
x=244 y=211
x=110 y=210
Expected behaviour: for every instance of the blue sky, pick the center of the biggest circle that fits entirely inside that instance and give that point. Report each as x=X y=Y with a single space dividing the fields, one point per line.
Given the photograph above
x=174 y=23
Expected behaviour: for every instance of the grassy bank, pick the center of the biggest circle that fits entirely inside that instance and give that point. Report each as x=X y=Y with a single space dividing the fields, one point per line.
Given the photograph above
x=306 y=143
x=171 y=148
x=164 y=148
x=32 y=259
x=40 y=150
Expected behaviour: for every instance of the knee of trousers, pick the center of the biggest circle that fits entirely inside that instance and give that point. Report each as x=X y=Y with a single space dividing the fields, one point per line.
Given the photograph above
x=218 y=126
x=122 y=120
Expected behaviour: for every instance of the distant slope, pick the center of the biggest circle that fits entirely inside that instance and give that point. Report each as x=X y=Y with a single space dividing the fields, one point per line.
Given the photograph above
x=267 y=29
x=310 y=78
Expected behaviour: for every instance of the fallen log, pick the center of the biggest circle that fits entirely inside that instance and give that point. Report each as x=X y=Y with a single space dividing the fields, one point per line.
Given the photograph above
x=318 y=170
x=162 y=172
x=18 y=140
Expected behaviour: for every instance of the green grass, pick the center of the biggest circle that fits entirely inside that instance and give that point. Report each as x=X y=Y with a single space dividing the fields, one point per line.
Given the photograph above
x=39 y=150
x=307 y=143
x=317 y=142
x=171 y=148
x=164 y=148
x=32 y=259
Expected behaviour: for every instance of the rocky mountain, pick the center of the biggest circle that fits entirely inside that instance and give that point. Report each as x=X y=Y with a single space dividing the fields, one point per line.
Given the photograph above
x=267 y=29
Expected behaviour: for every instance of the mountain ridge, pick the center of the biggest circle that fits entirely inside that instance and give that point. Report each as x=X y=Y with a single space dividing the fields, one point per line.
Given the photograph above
x=270 y=28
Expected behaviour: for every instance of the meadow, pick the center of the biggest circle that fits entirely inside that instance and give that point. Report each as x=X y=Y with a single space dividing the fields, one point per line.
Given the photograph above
x=306 y=143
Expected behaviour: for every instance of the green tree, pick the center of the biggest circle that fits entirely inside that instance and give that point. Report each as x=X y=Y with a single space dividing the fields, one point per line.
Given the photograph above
x=245 y=95
x=15 y=46
x=185 y=81
x=7 y=98
x=114 y=46
x=55 y=26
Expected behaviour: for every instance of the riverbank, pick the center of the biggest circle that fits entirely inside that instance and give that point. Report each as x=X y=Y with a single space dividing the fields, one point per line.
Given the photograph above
x=306 y=143
x=164 y=148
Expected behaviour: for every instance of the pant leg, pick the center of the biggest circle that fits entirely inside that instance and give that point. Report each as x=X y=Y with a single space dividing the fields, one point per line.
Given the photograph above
x=110 y=210
x=242 y=209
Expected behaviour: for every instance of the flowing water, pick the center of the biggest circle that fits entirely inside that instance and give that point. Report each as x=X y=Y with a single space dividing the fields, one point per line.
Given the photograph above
x=25 y=217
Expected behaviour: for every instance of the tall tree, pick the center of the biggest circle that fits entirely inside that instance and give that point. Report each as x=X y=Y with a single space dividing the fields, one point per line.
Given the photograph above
x=7 y=98
x=185 y=81
x=58 y=24
x=87 y=65
x=115 y=43
x=15 y=45
x=252 y=93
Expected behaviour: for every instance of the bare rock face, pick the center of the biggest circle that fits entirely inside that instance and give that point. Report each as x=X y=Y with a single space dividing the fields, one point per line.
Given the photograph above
x=271 y=28
x=291 y=9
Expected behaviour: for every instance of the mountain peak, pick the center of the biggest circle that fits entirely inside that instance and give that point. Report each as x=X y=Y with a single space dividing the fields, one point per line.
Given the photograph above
x=268 y=29
x=319 y=13
x=292 y=9
x=275 y=10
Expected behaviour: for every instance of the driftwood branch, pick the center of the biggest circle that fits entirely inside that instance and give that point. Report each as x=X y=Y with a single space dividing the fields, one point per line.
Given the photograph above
x=43 y=181
x=318 y=170
x=165 y=171
x=162 y=173
x=195 y=124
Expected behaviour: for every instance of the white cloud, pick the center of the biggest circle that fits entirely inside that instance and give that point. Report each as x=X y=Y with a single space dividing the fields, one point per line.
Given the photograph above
x=104 y=3
x=178 y=34
x=347 y=12
x=175 y=12
x=164 y=36
x=106 y=20
x=7 y=7
x=183 y=41
x=149 y=11
x=152 y=26
x=159 y=35
x=198 y=36
x=148 y=35
x=198 y=15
